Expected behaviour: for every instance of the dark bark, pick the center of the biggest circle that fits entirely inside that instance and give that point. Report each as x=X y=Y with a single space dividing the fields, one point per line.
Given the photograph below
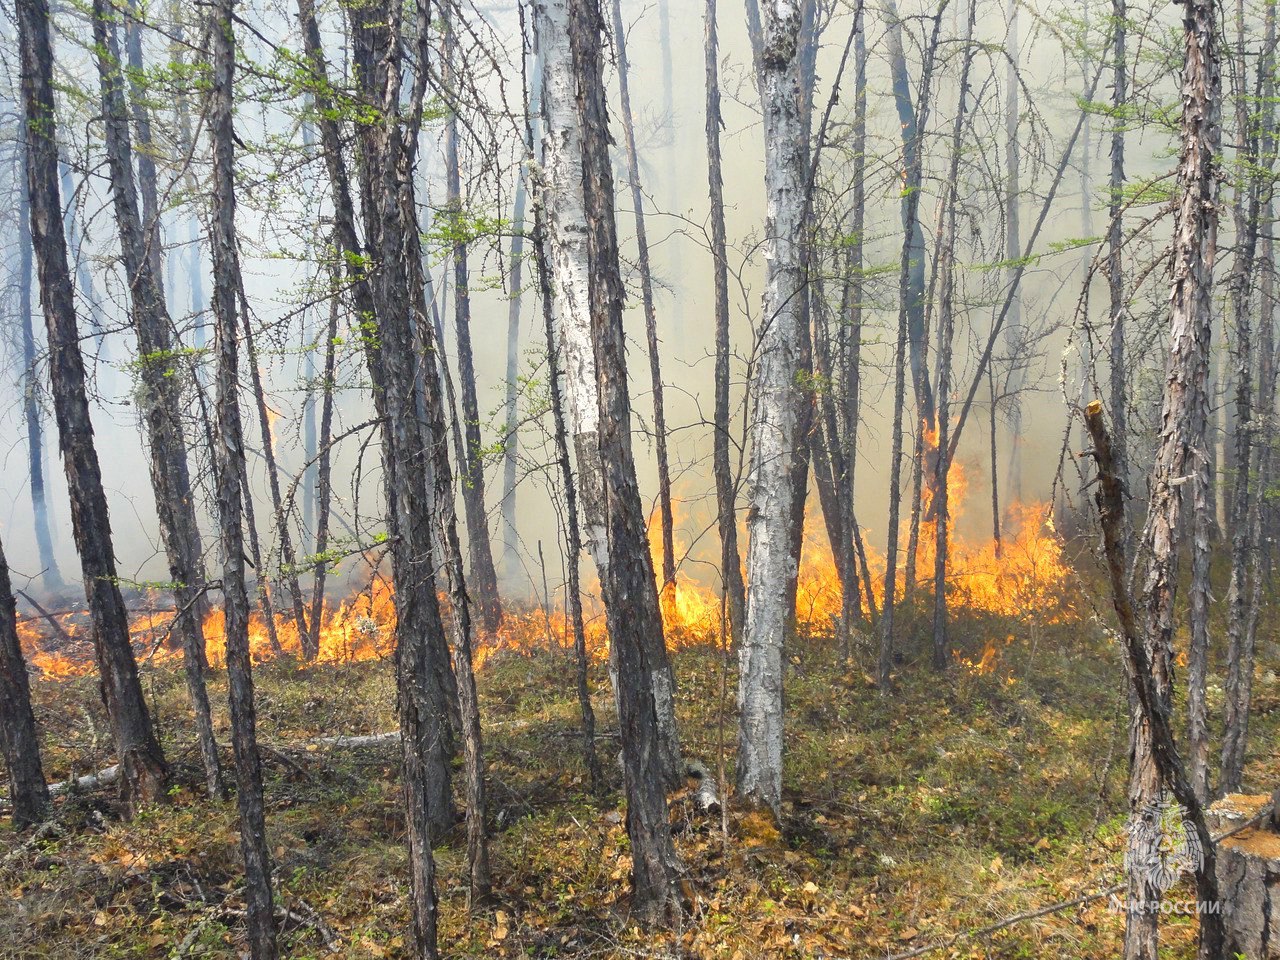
x=324 y=474
x=912 y=339
x=444 y=514
x=229 y=455
x=650 y=311
x=288 y=568
x=940 y=506
x=1255 y=145
x=1119 y=308
x=1148 y=660
x=32 y=417
x=913 y=119
x=851 y=353
x=161 y=396
x=138 y=751
x=630 y=595
x=484 y=578
x=386 y=168
x=19 y=738
x=726 y=485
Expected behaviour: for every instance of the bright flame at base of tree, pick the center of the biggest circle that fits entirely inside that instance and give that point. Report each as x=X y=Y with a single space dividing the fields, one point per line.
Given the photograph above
x=1023 y=582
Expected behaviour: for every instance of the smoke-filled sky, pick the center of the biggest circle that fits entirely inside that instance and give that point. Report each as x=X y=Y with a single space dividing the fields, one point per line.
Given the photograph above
x=284 y=204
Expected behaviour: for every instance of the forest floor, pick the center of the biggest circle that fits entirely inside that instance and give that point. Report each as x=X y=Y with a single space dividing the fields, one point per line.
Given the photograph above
x=957 y=802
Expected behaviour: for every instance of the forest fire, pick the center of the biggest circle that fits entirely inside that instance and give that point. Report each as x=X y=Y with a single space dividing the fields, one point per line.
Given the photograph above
x=1024 y=579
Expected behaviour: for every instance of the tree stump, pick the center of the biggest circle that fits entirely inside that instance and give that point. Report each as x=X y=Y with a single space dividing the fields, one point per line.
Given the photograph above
x=1248 y=877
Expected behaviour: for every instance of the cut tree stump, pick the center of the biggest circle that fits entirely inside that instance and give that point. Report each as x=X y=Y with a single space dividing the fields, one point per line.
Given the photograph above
x=1248 y=876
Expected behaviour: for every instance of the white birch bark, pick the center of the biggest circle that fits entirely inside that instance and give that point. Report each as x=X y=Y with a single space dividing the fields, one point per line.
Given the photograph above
x=559 y=186
x=769 y=560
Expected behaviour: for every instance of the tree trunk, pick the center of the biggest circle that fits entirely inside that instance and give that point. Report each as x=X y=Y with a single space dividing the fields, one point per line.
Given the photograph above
x=511 y=439
x=1151 y=694
x=138 y=751
x=161 y=396
x=567 y=234
x=912 y=121
x=1185 y=413
x=772 y=493
x=1119 y=307
x=940 y=505
x=387 y=169
x=726 y=483
x=1014 y=335
x=436 y=440
x=573 y=538
x=288 y=569
x=229 y=451
x=484 y=578
x=912 y=338
x=1242 y=615
x=324 y=471
x=650 y=311
x=19 y=739
x=31 y=414
x=851 y=349
x=630 y=595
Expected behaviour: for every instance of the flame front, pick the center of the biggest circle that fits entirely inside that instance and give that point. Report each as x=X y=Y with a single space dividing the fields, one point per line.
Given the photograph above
x=1023 y=580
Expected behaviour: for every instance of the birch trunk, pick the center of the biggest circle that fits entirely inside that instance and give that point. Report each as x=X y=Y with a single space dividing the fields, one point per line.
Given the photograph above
x=567 y=248
x=630 y=595
x=773 y=421
x=568 y=231
x=138 y=751
x=1013 y=332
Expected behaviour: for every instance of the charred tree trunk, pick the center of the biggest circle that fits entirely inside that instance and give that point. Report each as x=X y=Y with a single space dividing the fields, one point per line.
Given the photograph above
x=31 y=413
x=484 y=578
x=773 y=420
x=19 y=739
x=1153 y=705
x=726 y=485
x=650 y=311
x=161 y=399
x=138 y=752
x=229 y=453
x=630 y=595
